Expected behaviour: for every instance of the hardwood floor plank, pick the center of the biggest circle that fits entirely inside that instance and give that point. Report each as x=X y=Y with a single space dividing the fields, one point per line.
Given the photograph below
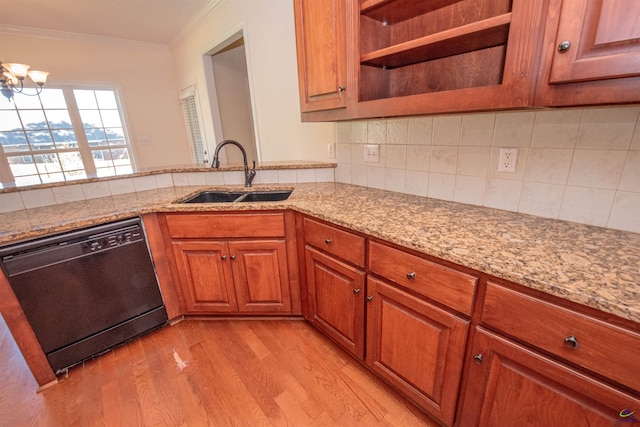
x=209 y=373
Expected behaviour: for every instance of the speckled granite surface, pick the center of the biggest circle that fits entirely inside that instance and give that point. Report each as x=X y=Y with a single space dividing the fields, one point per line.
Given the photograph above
x=593 y=266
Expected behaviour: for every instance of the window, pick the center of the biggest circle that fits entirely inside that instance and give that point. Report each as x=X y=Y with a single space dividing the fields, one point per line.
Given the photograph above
x=62 y=134
x=190 y=112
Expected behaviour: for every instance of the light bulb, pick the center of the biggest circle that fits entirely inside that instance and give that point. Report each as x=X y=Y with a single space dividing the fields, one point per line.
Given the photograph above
x=18 y=70
x=39 y=77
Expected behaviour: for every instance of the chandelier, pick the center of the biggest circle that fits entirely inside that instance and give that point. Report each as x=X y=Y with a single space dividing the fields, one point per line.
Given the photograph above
x=12 y=79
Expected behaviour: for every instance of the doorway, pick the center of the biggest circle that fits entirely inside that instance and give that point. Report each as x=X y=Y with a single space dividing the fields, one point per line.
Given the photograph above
x=230 y=98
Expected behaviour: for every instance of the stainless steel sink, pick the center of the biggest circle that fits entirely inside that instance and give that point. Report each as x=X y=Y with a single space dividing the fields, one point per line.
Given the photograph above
x=239 y=196
x=214 y=197
x=266 y=196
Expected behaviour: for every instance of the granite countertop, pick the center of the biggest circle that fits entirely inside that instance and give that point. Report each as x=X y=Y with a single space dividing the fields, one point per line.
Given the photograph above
x=593 y=266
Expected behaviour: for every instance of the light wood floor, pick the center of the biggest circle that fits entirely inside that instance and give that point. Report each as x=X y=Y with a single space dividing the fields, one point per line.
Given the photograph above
x=208 y=372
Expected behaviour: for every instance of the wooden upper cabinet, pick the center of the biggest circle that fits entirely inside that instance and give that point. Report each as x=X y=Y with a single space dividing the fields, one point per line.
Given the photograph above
x=592 y=53
x=447 y=55
x=322 y=55
x=597 y=39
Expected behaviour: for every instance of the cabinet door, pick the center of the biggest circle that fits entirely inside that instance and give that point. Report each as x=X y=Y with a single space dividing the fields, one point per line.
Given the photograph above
x=416 y=346
x=205 y=276
x=591 y=53
x=509 y=385
x=261 y=276
x=321 y=47
x=602 y=41
x=336 y=300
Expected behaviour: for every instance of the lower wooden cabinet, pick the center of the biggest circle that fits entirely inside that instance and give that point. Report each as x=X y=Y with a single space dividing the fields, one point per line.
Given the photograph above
x=205 y=276
x=234 y=276
x=233 y=263
x=336 y=299
x=417 y=347
x=510 y=385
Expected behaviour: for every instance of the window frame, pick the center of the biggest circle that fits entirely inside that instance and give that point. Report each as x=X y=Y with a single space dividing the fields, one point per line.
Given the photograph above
x=7 y=179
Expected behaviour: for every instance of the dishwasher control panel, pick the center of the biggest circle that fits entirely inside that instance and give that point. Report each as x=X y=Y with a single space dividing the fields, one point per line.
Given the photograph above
x=122 y=237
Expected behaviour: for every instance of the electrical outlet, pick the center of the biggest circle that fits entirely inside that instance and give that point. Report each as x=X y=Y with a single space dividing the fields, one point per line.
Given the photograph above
x=371 y=153
x=507 y=160
x=331 y=150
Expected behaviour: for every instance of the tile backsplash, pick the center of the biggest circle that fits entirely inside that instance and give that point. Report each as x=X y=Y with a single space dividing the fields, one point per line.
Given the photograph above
x=39 y=197
x=580 y=165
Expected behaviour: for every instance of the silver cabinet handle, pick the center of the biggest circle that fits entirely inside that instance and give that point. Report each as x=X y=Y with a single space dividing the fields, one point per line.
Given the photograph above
x=564 y=46
x=328 y=241
x=411 y=276
x=233 y=257
x=341 y=88
x=369 y=298
x=478 y=358
x=224 y=257
x=571 y=342
x=356 y=291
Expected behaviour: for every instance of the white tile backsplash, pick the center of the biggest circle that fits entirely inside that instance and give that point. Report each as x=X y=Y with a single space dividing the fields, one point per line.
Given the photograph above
x=631 y=174
x=587 y=205
x=68 y=193
x=597 y=168
x=121 y=186
x=10 y=202
x=305 y=175
x=444 y=159
x=38 y=198
x=163 y=180
x=441 y=186
x=514 y=129
x=608 y=128
x=287 y=176
x=581 y=165
x=95 y=190
x=550 y=165
x=469 y=189
x=420 y=130
x=21 y=199
x=325 y=175
x=477 y=129
x=144 y=183
x=624 y=214
x=446 y=130
x=540 y=199
x=556 y=129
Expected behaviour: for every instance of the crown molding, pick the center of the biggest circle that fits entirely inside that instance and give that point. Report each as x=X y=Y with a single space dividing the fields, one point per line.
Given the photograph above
x=65 y=35
x=204 y=11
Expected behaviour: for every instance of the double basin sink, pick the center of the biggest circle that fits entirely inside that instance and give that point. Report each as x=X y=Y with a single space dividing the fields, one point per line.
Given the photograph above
x=239 y=196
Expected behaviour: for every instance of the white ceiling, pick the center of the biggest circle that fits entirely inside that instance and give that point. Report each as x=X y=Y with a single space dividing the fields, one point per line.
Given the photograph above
x=151 y=21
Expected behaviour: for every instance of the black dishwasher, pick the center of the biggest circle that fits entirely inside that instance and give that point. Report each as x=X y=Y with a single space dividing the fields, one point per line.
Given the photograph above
x=86 y=291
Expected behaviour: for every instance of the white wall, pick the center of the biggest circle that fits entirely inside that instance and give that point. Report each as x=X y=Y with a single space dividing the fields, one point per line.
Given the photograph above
x=271 y=53
x=580 y=165
x=143 y=73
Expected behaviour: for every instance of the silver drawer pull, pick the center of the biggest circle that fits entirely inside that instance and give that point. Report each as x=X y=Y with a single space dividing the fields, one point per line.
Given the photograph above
x=411 y=276
x=224 y=257
x=571 y=342
x=478 y=358
x=328 y=241
x=356 y=291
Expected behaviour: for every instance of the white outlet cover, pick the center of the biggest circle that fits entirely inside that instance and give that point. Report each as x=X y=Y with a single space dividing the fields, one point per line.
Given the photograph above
x=331 y=150
x=507 y=160
x=372 y=153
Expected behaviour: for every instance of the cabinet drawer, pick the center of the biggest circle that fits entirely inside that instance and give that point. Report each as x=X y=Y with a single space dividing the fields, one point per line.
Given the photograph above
x=449 y=287
x=189 y=226
x=601 y=347
x=340 y=243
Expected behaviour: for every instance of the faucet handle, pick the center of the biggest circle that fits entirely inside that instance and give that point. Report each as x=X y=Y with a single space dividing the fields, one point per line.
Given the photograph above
x=250 y=175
